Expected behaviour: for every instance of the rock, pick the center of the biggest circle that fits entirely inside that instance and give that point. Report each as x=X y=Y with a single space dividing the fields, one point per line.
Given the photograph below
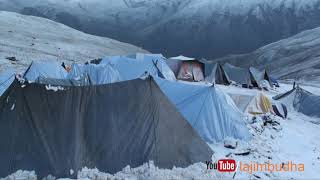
x=230 y=143
x=11 y=58
x=243 y=152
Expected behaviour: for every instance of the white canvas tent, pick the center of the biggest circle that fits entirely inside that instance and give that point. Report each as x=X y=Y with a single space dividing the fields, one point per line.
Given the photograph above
x=252 y=104
x=186 y=68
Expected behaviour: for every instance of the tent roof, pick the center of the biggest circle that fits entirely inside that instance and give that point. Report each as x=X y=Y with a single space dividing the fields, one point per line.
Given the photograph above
x=6 y=78
x=237 y=74
x=46 y=69
x=217 y=74
x=207 y=110
x=103 y=126
x=134 y=68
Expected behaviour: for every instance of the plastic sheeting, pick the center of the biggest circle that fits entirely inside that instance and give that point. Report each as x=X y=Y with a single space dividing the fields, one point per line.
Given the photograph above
x=302 y=101
x=239 y=75
x=106 y=127
x=258 y=104
x=49 y=69
x=97 y=74
x=206 y=109
x=280 y=110
x=218 y=75
x=134 y=68
x=191 y=71
x=6 y=78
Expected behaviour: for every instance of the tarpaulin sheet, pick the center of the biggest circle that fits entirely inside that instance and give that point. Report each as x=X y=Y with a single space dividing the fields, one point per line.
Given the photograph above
x=307 y=103
x=97 y=74
x=6 y=78
x=106 y=126
x=302 y=101
x=207 y=110
x=48 y=69
x=218 y=75
x=191 y=71
x=239 y=75
x=134 y=68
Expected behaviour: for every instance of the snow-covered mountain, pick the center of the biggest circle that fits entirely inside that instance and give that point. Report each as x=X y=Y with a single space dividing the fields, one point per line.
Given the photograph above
x=27 y=38
x=203 y=28
x=297 y=57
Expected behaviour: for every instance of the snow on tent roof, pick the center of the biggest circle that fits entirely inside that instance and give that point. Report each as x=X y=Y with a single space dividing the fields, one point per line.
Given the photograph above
x=237 y=74
x=207 y=109
x=97 y=74
x=49 y=69
x=6 y=78
x=142 y=55
x=105 y=126
x=182 y=58
x=302 y=101
x=134 y=68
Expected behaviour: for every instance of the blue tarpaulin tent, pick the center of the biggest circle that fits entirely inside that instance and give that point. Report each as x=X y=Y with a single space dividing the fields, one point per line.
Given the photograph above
x=48 y=69
x=207 y=109
x=134 y=68
x=6 y=78
x=97 y=74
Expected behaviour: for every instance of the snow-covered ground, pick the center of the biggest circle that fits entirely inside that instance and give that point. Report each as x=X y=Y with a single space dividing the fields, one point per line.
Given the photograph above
x=275 y=140
x=28 y=38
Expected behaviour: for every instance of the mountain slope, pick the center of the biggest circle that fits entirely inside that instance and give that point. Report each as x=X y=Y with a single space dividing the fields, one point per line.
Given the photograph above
x=297 y=57
x=30 y=38
x=202 y=28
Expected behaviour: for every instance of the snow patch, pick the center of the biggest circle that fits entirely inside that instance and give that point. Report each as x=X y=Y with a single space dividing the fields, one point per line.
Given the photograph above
x=54 y=88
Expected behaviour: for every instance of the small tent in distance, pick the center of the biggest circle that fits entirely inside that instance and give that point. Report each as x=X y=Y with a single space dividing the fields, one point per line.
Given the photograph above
x=103 y=126
x=217 y=75
x=186 y=68
x=238 y=75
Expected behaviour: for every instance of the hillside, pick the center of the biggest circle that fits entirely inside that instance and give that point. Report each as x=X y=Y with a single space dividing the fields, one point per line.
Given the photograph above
x=200 y=28
x=30 y=38
x=297 y=57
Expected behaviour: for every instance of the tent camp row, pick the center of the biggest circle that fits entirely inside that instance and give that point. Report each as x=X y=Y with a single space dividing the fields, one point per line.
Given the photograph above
x=246 y=77
x=123 y=111
x=192 y=69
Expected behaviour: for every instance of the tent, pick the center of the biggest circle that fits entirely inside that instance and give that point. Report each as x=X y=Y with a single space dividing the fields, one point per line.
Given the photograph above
x=6 y=78
x=48 y=69
x=96 y=74
x=141 y=56
x=301 y=101
x=185 y=68
x=280 y=110
x=52 y=130
x=239 y=75
x=218 y=75
x=134 y=68
x=257 y=77
x=253 y=104
x=207 y=109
